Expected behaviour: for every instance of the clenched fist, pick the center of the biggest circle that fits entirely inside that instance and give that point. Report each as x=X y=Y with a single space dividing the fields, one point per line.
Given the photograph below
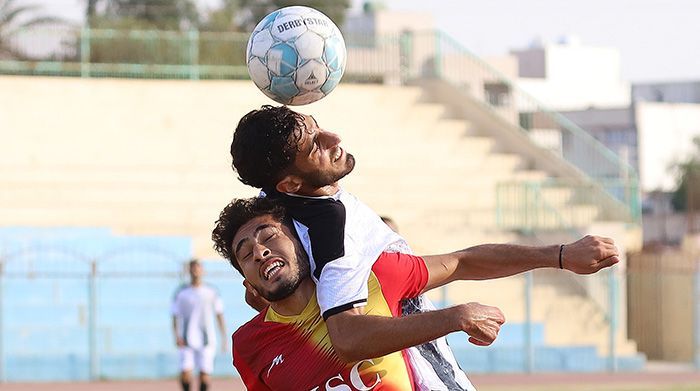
x=481 y=322
x=590 y=254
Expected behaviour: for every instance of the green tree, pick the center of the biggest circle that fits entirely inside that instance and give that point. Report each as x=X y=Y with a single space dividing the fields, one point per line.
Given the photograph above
x=252 y=11
x=15 y=18
x=223 y=19
x=687 y=193
x=143 y=14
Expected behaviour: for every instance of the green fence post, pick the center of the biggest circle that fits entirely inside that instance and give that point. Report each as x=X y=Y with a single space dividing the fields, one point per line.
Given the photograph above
x=92 y=322
x=405 y=55
x=85 y=52
x=194 y=54
x=612 y=295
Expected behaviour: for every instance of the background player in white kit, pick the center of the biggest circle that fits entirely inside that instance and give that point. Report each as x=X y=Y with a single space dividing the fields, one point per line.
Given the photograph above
x=194 y=308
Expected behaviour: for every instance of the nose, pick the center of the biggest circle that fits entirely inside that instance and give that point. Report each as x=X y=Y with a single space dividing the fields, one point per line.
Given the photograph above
x=330 y=139
x=260 y=252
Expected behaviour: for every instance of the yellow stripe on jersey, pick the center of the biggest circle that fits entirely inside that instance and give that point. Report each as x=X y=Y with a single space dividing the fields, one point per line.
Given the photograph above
x=389 y=372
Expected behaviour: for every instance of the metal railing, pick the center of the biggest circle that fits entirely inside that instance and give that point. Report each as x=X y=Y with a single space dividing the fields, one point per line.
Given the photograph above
x=560 y=204
x=610 y=176
x=389 y=58
x=70 y=315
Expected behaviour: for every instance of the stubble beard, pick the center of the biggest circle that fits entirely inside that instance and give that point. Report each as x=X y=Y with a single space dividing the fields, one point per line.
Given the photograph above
x=290 y=285
x=321 y=179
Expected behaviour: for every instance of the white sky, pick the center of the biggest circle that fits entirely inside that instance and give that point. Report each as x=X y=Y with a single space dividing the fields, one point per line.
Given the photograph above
x=659 y=40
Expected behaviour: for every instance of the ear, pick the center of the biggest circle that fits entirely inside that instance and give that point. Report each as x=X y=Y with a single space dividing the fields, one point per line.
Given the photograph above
x=289 y=184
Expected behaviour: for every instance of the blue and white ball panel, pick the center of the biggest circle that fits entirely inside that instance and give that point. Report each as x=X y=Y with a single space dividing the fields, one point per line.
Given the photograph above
x=306 y=98
x=332 y=81
x=311 y=75
x=259 y=73
x=296 y=55
x=260 y=44
x=321 y=25
x=334 y=53
x=284 y=87
x=282 y=59
x=309 y=45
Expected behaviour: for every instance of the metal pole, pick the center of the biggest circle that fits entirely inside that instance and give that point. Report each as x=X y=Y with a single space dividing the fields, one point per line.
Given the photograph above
x=194 y=54
x=92 y=322
x=405 y=55
x=529 y=348
x=612 y=294
x=85 y=52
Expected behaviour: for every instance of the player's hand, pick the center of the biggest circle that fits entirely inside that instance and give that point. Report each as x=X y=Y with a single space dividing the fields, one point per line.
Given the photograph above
x=590 y=254
x=256 y=301
x=180 y=342
x=481 y=322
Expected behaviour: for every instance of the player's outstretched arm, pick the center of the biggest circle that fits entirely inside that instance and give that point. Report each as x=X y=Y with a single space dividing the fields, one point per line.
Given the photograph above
x=356 y=337
x=584 y=256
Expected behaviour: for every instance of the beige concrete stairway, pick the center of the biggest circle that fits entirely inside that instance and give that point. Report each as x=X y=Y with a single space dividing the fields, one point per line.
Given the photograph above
x=151 y=157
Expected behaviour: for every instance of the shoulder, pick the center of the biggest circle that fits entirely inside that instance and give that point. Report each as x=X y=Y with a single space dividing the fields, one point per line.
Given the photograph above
x=252 y=335
x=181 y=289
x=404 y=273
x=250 y=327
x=212 y=289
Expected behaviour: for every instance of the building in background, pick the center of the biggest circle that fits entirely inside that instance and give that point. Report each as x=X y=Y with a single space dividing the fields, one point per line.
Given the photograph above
x=673 y=92
x=568 y=75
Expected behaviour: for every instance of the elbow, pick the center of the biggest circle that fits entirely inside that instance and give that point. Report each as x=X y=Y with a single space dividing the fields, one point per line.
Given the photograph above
x=345 y=345
x=345 y=351
x=346 y=332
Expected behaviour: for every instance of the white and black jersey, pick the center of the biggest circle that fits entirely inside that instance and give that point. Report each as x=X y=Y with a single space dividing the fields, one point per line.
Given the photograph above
x=194 y=308
x=343 y=238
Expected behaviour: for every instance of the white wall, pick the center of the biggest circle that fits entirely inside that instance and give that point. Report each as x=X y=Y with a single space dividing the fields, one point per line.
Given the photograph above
x=666 y=131
x=575 y=77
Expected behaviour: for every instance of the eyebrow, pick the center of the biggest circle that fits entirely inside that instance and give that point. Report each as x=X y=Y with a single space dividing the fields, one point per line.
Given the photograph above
x=315 y=136
x=258 y=229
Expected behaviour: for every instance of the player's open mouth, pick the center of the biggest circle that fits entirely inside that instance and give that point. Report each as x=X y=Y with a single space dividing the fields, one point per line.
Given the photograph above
x=338 y=154
x=271 y=269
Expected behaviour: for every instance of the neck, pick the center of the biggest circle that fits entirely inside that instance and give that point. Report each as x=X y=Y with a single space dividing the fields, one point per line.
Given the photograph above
x=327 y=190
x=196 y=282
x=295 y=303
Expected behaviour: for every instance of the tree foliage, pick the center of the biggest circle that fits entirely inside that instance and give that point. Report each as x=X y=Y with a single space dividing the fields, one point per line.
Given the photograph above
x=145 y=14
x=687 y=193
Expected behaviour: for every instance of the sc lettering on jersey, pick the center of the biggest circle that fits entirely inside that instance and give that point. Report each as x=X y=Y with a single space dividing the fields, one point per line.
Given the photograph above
x=337 y=383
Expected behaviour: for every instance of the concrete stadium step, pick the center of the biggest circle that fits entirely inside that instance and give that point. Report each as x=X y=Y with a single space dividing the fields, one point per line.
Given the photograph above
x=442 y=160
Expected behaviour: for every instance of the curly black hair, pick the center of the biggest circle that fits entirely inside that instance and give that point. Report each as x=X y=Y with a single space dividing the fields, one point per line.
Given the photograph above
x=234 y=216
x=265 y=144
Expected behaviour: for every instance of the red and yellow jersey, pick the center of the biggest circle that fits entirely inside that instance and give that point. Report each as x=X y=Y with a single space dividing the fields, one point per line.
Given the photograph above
x=276 y=352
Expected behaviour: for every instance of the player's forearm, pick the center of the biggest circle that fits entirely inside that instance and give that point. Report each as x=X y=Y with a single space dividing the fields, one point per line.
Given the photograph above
x=501 y=260
x=357 y=337
x=222 y=326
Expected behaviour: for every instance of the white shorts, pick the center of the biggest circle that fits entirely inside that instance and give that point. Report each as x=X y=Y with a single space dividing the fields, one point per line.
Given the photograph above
x=202 y=359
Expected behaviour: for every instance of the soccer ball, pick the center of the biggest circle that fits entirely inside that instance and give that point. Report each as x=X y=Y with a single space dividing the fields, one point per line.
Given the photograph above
x=296 y=55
